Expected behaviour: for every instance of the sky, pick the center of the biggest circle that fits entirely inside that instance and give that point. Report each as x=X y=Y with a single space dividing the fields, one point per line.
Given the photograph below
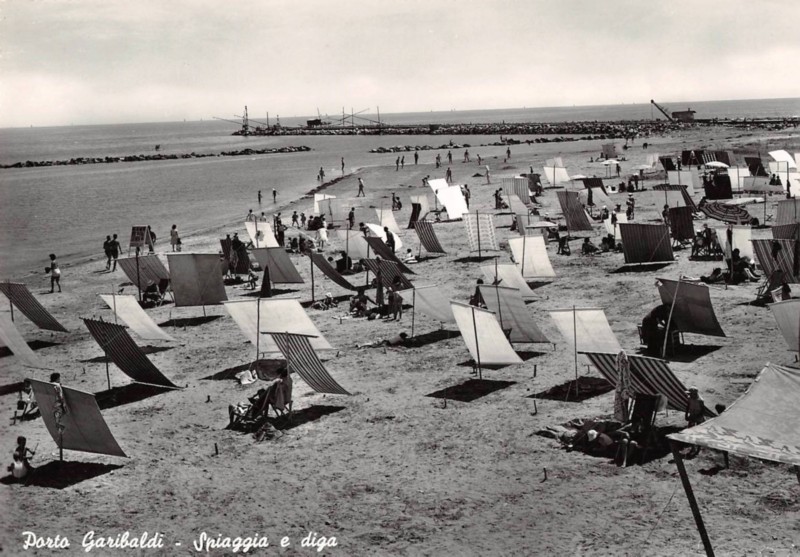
x=68 y=62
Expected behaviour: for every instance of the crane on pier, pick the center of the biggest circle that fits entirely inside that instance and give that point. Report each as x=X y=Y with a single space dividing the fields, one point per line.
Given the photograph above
x=677 y=116
x=244 y=120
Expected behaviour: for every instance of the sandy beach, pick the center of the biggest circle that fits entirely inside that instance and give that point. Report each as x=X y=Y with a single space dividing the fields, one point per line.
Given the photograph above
x=389 y=470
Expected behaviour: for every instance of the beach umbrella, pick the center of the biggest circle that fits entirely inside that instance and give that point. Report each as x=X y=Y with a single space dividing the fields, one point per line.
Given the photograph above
x=716 y=164
x=732 y=214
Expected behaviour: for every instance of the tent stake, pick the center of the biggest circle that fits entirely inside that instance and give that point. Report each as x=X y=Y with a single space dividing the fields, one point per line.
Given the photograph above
x=690 y=496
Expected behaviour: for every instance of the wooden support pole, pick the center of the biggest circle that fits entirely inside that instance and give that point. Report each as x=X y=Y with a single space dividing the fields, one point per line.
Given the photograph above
x=669 y=319
x=311 y=261
x=687 y=487
x=477 y=345
x=413 y=309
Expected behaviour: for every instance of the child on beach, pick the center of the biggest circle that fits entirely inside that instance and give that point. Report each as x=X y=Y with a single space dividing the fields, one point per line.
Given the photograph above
x=174 y=238
x=55 y=273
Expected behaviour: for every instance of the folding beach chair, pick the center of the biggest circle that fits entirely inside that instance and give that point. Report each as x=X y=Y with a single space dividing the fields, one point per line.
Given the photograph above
x=770 y=284
x=643 y=421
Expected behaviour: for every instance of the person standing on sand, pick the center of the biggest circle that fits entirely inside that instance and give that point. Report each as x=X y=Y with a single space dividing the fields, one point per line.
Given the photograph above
x=449 y=157
x=114 y=248
x=107 y=251
x=448 y=176
x=295 y=224
x=151 y=241
x=351 y=217
x=389 y=238
x=321 y=174
x=403 y=161
x=174 y=239
x=302 y=220
x=361 y=188
x=508 y=152
x=259 y=197
x=488 y=176
x=342 y=165
x=274 y=195
x=479 y=160
x=438 y=160
x=397 y=164
x=416 y=157
x=55 y=273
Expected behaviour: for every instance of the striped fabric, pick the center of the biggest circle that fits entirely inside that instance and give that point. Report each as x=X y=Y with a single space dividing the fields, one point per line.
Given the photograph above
x=692 y=311
x=788 y=211
x=382 y=250
x=574 y=213
x=649 y=376
x=645 y=243
x=427 y=237
x=416 y=209
x=125 y=353
x=685 y=195
x=680 y=223
x=517 y=185
x=281 y=268
x=301 y=358
x=480 y=232
x=84 y=428
x=328 y=270
x=510 y=310
x=388 y=271
x=785 y=259
x=151 y=270
x=786 y=231
x=19 y=295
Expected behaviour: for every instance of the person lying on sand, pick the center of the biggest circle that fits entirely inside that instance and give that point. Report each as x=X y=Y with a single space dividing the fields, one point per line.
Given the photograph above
x=399 y=340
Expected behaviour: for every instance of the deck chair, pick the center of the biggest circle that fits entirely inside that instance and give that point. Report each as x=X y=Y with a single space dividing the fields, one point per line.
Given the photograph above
x=642 y=422
x=155 y=295
x=771 y=283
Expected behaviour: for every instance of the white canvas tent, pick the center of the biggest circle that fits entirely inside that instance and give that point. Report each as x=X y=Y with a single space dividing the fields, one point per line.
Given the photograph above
x=261 y=234
x=507 y=274
x=196 y=278
x=587 y=329
x=485 y=340
x=128 y=309
x=530 y=255
x=11 y=338
x=378 y=231
x=740 y=240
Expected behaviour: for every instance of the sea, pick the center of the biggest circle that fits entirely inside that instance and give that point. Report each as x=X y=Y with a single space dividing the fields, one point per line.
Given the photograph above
x=68 y=210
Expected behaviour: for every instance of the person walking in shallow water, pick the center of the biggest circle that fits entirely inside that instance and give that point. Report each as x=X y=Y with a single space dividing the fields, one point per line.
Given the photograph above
x=55 y=273
x=259 y=197
x=274 y=195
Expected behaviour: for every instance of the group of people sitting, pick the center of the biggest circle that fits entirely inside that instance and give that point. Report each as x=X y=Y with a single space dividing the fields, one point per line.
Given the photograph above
x=384 y=306
x=251 y=415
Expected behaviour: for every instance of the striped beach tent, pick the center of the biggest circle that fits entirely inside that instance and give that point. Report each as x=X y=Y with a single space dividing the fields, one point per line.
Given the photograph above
x=786 y=231
x=573 y=211
x=416 y=210
x=788 y=211
x=11 y=338
x=389 y=270
x=510 y=310
x=82 y=426
x=530 y=255
x=22 y=298
x=377 y=231
x=281 y=268
x=144 y=271
x=518 y=186
x=649 y=376
x=645 y=243
x=126 y=354
x=673 y=195
x=778 y=255
x=587 y=329
x=301 y=359
x=327 y=269
x=197 y=278
x=427 y=237
x=380 y=249
x=681 y=224
x=265 y=315
x=485 y=340
x=507 y=274
x=692 y=311
x=480 y=231
x=127 y=308
x=429 y=300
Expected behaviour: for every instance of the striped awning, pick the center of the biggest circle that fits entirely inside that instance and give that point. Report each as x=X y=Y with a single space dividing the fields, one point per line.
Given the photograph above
x=681 y=181
x=302 y=359
x=427 y=237
x=125 y=353
x=480 y=232
x=388 y=271
x=416 y=209
x=328 y=270
x=680 y=223
x=788 y=211
x=691 y=307
x=649 y=376
x=281 y=268
x=381 y=249
x=148 y=271
x=22 y=298
x=574 y=213
x=84 y=428
x=645 y=243
x=517 y=185
x=786 y=231
x=784 y=258
x=510 y=310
